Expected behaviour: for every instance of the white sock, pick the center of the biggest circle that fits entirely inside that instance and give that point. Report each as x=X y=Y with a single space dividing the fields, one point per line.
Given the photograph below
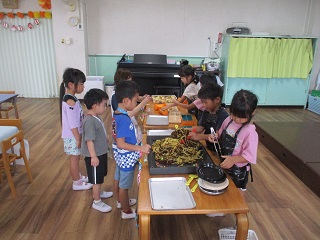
x=97 y=201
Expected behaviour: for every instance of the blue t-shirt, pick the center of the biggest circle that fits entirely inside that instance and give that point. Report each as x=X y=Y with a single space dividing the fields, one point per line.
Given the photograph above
x=123 y=127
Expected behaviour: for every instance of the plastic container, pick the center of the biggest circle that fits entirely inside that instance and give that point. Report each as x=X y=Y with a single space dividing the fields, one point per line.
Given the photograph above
x=230 y=234
x=174 y=116
x=314 y=104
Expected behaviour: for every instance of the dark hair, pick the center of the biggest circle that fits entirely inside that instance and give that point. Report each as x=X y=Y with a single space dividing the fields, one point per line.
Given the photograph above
x=121 y=75
x=243 y=104
x=126 y=89
x=211 y=91
x=208 y=77
x=70 y=75
x=94 y=96
x=186 y=71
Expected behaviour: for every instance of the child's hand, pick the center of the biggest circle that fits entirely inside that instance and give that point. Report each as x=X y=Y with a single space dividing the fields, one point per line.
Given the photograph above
x=145 y=148
x=78 y=142
x=213 y=138
x=228 y=162
x=94 y=161
x=147 y=98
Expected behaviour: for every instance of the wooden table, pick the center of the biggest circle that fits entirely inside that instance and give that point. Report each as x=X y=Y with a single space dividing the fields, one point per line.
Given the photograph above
x=171 y=125
x=10 y=98
x=229 y=202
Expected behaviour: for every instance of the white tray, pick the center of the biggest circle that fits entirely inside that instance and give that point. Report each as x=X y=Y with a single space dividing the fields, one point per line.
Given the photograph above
x=157 y=120
x=170 y=193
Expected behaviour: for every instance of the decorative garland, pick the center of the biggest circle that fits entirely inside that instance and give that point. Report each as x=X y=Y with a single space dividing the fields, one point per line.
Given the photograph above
x=45 y=4
x=35 y=15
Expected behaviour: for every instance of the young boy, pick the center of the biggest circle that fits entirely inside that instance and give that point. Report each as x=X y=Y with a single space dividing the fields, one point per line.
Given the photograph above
x=211 y=95
x=125 y=146
x=94 y=146
x=198 y=103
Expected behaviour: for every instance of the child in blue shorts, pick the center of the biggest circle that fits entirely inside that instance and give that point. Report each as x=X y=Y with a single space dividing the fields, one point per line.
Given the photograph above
x=126 y=148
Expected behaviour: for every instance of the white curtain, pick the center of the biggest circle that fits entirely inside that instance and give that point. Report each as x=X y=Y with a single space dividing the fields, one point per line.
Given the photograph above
x=27 y=58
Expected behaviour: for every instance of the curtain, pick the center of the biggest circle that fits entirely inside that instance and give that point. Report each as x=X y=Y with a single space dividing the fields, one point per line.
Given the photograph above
x=270 y=58
x=27 y=63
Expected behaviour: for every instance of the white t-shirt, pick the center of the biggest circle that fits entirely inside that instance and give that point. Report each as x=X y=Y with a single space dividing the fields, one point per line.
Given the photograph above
x=191 y=91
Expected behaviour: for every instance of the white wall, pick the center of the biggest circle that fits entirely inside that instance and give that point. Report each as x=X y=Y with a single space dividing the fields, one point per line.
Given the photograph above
x=172 y=27
x=182 y=27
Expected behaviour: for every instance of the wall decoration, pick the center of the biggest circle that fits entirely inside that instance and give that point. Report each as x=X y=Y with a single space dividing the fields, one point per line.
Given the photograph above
x=20 y=28
x=5 y=25
x=36 y=14
x=13 y=28
x=20 y=15
x=36 y=22
x=30 y=26
x=30 y=14
x=45 y=4
x=10 y=14
x=1 y=15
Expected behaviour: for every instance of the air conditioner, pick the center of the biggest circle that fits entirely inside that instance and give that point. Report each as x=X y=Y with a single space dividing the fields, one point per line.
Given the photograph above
x=13 y=4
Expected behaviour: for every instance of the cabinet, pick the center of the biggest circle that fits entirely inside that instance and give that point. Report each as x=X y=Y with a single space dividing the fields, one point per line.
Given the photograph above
x=270 y=91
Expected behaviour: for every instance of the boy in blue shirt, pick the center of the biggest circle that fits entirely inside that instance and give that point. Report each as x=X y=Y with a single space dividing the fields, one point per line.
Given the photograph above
x=126 y=148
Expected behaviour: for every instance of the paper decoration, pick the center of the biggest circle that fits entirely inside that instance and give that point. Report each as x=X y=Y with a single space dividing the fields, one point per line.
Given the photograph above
x=10 y=15
x=45 y=4
x=48 y=15
x=20 y=28
x=30 y=26
x=5 y=25
x=36 y=14
x=13 y=28
x=20 y=15
x=36 y=22
x=1 y=15
x=30 y=14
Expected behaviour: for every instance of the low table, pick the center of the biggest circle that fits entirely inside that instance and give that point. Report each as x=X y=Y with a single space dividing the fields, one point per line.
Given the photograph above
x=229 y=202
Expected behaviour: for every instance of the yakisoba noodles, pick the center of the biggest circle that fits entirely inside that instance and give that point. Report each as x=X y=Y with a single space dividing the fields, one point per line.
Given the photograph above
x=177 y=149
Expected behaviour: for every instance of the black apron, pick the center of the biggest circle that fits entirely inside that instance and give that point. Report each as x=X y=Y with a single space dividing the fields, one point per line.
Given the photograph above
x=210 y=121
x=239 y=175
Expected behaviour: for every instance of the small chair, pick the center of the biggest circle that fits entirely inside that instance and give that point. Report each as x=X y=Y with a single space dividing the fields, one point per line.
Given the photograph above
x=7 y=158
x=6 y=106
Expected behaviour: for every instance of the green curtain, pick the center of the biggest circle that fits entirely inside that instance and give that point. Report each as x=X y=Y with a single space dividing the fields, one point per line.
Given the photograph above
x=269 y=58
x=293 y=58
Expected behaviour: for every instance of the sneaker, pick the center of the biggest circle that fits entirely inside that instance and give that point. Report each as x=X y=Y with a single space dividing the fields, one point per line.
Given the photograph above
x=128 y=215
x=101 y=206
x=82 y=186
x=132 y=202
x=84 y=178
x=215 y=215
x=104 y=194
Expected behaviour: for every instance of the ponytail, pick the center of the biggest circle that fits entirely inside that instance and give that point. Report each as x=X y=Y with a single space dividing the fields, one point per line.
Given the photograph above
x=62 y=92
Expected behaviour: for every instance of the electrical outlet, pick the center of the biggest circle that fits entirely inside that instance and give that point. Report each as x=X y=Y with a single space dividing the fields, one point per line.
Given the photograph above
x=80 y=27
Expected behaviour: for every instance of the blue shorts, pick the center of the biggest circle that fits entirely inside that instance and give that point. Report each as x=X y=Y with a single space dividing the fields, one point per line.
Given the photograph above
x=70 y=146
x=125 y=178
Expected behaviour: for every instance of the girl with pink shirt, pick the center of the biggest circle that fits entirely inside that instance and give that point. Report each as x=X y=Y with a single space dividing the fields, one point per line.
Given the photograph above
x=238 y=138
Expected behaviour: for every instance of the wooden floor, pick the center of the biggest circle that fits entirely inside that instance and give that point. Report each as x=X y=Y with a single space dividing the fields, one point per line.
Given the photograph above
x=281 y=206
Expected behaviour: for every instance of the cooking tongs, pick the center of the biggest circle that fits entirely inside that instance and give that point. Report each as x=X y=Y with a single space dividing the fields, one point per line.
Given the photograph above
x=218 y=151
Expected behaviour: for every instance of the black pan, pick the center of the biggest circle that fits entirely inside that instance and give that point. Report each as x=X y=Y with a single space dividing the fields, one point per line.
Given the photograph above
x=211 y=173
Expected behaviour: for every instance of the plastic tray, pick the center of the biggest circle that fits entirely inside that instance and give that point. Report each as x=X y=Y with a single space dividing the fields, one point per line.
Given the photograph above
x=157 y=120
x=230 y=234
x=170 y=193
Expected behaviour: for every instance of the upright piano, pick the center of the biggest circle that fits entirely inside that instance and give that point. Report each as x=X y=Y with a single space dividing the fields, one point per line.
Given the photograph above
x=153 y=75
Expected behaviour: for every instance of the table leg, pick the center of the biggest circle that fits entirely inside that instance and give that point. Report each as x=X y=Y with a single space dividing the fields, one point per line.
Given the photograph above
x=15 y=107
x=242 y=226
x=144 y=227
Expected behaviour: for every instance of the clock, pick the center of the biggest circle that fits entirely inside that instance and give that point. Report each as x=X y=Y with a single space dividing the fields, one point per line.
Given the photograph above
x=73 y=21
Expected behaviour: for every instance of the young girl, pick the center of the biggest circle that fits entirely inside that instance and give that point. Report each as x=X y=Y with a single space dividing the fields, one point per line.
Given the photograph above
x=190 y=80
x=238 y=138
x=71 y=119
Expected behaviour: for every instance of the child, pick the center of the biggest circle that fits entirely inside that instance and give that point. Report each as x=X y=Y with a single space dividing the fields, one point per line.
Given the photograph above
x=71 y=119
x=125 y=146
x=190 y=80
x=123 y=74
x=211 y=95
x=94 y=146
x=238 y=138
x=198 y=103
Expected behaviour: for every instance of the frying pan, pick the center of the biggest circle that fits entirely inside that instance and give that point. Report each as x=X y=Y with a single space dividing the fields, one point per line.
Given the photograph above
x=211 y=173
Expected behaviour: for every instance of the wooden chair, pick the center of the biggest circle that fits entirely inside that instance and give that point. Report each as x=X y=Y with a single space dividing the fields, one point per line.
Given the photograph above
x=7 y=158
x=6 y=106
